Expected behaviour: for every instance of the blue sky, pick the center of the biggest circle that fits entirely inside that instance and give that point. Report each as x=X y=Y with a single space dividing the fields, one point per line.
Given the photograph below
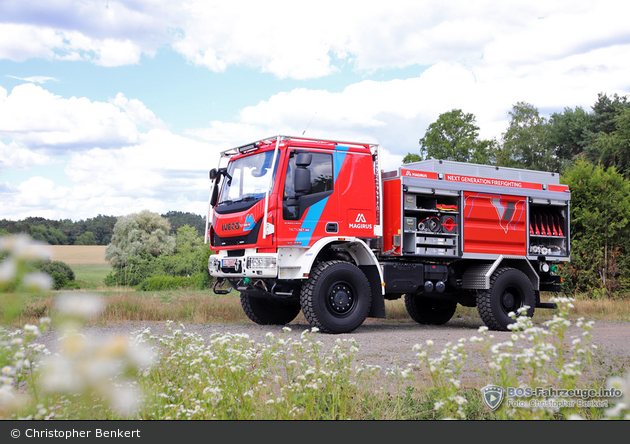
x=112 y=107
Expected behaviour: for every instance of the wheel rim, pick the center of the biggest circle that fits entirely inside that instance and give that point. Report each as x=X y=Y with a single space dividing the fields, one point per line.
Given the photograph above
x=341 y=298
x=511 y=300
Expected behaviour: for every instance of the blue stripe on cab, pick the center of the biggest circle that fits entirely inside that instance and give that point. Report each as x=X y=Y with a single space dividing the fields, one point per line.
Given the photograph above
x=312 y=216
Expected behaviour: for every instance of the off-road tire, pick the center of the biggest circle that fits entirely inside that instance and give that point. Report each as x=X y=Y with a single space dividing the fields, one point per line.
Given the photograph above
x=429 y=311
x=510 y=289
x=265 y=311
x=336 y=298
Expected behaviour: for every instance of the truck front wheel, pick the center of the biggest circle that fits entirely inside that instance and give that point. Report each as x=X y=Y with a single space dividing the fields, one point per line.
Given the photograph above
x=429 y=311
x=336 y=298
x=265 y=311
x=510 y=289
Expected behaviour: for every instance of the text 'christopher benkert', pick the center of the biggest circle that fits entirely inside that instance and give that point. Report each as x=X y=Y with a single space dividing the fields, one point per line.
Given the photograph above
x=555 y=398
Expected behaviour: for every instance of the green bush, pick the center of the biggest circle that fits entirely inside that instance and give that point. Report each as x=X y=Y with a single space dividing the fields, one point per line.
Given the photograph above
x=159 y=283
x=63 y=276
x=58 y=266
x=135 y=271
x=183 y=264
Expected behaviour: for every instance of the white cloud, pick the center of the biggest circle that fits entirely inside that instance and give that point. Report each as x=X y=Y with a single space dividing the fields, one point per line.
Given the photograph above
x=161 y=173
x=397 y=113
x=137 y=112
x=113 y=52
x=34 y=117
x=300 y=40
x=228 y=132
x=35 y=79
x=19 y=42
x=13 y=157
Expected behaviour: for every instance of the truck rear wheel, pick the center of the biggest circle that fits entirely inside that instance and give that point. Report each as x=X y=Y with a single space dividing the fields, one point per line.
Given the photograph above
x=510 y=289
x=265 y=311
x=336 y=298
x=429 y=311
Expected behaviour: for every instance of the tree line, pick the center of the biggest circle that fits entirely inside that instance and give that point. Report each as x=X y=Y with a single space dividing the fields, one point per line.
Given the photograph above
x=590 y=150
x=93 y=231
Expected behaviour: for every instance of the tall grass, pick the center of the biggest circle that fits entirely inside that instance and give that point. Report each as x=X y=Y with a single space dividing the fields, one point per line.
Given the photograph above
x=203 y=306
x=181 y=375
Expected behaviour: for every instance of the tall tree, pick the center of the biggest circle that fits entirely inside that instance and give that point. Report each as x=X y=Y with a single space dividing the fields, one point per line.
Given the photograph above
x=86 y=238
x=178 y=219
x=604 y=112
x=455 y=136
x=613 y=149
x=568 y=133
x=600 y=228
x=139 y=234
x=526 y=143
x=409 y=158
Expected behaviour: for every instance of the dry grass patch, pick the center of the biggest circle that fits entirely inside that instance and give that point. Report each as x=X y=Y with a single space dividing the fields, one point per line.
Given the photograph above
x=602 y=309
x=79 y=254
x=203 y=306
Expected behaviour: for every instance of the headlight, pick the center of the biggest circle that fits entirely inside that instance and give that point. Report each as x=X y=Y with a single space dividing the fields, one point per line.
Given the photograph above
x=261 y=262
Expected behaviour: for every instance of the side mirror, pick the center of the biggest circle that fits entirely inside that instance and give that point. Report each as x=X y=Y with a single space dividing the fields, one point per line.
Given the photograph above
x=215 y=195
x=213 y=174
x=302 y=180
x=303 y=159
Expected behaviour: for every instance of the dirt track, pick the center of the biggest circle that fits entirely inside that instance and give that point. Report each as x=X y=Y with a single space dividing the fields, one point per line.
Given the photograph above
x=391 y=344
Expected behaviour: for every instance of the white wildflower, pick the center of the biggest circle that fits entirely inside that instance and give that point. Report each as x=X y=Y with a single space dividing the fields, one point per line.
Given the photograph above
x=82 y=306
x=8 y=270
x=38 y=282
x=460 y=400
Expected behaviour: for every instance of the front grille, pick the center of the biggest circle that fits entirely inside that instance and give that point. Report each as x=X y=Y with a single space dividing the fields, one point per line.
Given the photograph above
x=232 y=241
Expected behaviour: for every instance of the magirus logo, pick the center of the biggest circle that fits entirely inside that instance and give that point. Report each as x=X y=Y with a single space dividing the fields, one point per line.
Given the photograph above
x=492 y=396
x=360 y=223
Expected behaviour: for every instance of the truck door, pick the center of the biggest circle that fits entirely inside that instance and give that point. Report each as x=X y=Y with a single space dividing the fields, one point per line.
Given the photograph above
x=307 y=212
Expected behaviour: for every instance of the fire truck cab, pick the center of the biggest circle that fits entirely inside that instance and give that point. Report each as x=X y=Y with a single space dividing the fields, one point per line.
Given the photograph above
x=315 y=225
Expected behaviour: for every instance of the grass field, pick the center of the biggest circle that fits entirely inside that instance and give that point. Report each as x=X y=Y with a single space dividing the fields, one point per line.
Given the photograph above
x=125 y=303
x=91 y=275
x=79 y=254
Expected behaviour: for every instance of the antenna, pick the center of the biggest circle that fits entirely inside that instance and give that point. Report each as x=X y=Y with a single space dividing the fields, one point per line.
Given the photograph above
x=309 y=123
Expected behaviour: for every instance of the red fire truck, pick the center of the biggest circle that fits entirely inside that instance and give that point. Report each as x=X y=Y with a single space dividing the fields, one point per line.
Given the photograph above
x=316 y=225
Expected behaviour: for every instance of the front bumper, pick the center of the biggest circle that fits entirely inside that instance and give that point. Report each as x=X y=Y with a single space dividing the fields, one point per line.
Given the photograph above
x=252 y=265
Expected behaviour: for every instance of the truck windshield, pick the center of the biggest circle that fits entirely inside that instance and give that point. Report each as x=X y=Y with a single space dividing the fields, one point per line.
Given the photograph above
x=250 y=177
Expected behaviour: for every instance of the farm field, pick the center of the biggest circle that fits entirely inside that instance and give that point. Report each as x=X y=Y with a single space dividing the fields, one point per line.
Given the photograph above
x=93 y=275
x=79 y=254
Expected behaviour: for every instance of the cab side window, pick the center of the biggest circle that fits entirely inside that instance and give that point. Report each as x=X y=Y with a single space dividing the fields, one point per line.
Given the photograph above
x=321 y=168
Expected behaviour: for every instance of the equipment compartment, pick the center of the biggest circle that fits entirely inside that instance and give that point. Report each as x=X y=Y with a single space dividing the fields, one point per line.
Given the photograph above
x=436 y=224
x=548 y=230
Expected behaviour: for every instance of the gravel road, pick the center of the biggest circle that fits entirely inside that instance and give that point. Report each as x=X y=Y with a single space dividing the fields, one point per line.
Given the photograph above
x=389 y=344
